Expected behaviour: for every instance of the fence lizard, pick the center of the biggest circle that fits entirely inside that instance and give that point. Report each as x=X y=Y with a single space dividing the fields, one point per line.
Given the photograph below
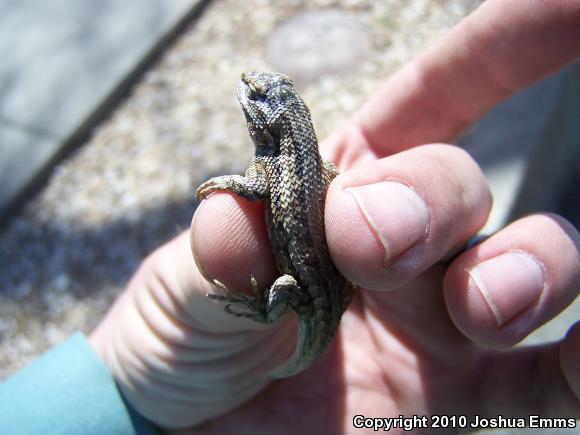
x=290 y=177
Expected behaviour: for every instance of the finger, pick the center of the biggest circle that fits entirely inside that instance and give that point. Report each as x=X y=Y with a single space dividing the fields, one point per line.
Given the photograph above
x=515 y=281
x=171 y=354
x=536 y=380
x=392 y=219
x=230 y=243
x=497 y=50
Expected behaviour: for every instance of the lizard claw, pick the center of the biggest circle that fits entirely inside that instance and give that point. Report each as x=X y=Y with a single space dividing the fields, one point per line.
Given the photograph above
x=255 y=304
x=230 y=294
x=221 y=286
x=203 y=191
x=248 y=315
x=208 y=187
x=254 y=287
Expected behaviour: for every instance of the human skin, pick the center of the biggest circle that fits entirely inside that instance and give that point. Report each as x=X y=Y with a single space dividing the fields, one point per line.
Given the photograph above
x=421 y=336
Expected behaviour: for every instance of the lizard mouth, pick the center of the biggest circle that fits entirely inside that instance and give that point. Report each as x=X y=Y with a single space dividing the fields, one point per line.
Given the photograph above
x=251 y=91
x=242 y=92
x=257 y=85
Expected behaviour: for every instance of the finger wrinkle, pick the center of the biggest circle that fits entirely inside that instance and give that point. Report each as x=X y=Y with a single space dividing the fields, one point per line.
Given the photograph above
x=431 y=78
x=460 y=78
x=484 y=55
x=360 y=137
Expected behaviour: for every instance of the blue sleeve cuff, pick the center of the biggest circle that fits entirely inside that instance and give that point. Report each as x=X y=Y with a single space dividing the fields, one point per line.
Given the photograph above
x=67 y=391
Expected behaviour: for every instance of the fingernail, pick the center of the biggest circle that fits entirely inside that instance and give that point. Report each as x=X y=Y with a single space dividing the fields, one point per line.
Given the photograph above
x=395 y=213
x=509 y=283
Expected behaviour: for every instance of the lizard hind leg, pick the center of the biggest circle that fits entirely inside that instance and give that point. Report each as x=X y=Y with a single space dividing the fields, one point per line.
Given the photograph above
x=284 y=293
x=263 y=307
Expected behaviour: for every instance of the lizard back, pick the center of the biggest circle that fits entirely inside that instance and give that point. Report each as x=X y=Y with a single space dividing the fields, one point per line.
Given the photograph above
x=290 y=177
x=287 y=149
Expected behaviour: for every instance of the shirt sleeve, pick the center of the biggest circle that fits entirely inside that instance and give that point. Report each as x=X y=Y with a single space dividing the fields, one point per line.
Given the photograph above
x=67 y=391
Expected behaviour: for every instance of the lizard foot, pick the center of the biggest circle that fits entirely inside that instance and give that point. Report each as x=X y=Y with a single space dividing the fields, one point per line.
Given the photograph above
x=207 y=188
x=256 y=304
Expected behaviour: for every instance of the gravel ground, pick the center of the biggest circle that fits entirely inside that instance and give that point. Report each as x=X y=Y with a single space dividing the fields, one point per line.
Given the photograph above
x=129 y=188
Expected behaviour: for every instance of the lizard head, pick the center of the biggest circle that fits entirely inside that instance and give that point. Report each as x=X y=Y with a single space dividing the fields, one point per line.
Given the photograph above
x=264 y=98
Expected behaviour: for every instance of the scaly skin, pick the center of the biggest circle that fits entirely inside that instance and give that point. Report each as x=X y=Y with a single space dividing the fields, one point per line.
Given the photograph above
x=290 y=177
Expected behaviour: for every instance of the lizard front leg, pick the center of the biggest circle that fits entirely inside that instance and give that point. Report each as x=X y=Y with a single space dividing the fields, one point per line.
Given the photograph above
x=268 y=306
x=253 y=186
x=329 y=169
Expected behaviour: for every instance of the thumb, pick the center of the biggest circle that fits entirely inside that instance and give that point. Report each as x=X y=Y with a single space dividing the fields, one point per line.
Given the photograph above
x=392 y=219
x=229 y=242
x=175 y=355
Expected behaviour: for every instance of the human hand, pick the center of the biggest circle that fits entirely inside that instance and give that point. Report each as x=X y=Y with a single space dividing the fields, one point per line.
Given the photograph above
x=424 y=338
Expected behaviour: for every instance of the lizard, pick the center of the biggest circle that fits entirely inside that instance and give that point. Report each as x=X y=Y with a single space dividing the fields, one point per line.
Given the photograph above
x=290 y=177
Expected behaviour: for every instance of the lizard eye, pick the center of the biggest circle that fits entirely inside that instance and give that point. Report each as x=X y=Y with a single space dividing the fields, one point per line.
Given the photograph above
x=257 y=89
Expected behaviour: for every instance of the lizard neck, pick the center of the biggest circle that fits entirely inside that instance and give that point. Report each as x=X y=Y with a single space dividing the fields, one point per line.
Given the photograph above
x=296 y=133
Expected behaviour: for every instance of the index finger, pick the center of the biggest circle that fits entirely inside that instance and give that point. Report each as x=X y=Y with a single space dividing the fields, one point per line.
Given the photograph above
x=498 y=49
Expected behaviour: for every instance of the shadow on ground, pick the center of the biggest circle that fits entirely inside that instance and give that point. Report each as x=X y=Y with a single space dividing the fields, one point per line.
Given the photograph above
x=60 y=256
